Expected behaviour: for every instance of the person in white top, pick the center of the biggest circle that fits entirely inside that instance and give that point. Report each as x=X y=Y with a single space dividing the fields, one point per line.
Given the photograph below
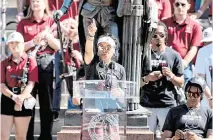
x=204 y=63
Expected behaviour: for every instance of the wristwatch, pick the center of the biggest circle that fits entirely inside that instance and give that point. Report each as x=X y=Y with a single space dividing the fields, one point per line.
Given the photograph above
x=13 y=96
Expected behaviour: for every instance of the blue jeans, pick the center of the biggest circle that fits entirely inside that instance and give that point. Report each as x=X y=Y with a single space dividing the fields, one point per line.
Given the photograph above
x=58 y=81
x=71 y=105
x=188 y=73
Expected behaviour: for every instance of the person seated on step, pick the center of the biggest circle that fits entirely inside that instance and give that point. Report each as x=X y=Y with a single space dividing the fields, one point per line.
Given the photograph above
x=190 y=121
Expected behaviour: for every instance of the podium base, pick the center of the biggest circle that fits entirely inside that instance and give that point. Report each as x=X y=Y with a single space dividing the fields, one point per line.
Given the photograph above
x=136 y=121
x=74 y=133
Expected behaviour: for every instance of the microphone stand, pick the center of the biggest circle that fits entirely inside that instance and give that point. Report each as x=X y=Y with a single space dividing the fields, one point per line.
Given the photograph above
x=59 y=33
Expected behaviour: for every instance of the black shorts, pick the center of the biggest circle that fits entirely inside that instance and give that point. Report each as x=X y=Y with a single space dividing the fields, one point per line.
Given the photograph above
x=7 y=108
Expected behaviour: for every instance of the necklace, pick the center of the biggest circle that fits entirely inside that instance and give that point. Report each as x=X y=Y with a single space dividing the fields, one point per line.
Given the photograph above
x=193 y=118
x=157 y=54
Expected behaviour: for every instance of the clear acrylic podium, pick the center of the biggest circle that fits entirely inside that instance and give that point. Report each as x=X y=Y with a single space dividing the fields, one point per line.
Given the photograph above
x=104 y=108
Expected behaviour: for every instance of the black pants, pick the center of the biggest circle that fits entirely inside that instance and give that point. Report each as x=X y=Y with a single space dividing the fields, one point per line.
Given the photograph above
x=44 y=89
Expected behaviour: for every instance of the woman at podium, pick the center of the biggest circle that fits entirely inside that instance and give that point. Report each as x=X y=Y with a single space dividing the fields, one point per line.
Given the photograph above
x=102 y=66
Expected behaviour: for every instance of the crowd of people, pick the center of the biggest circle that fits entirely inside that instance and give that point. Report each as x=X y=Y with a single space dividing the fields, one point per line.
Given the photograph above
x=181 y=61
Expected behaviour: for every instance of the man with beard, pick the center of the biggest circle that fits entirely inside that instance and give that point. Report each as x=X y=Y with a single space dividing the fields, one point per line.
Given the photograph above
x=158 y=92
x=190 y=121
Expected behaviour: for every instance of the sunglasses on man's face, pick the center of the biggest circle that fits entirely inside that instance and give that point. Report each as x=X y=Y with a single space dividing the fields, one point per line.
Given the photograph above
x=177 y=4
x=159 y=36
x=193 y=94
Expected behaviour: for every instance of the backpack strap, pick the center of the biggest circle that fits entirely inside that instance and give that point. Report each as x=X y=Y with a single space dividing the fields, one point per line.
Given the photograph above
x=24 y=78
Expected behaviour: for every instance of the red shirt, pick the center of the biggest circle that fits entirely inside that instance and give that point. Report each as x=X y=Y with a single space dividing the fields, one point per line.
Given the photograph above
x=164 y=9
x=182 y=36
x=9 y=67
x=73 y=10
x=29 y=28
x=67 y=56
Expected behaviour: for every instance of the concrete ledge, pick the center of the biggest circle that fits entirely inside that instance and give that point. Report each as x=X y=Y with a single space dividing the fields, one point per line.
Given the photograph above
x=69 y=133
x=134 y=118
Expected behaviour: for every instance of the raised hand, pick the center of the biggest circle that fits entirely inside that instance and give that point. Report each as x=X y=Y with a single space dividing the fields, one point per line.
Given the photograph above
x=92 y=28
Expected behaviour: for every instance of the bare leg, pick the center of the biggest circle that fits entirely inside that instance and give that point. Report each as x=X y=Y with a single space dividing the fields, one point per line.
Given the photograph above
x=6 y=126
x=21 y=124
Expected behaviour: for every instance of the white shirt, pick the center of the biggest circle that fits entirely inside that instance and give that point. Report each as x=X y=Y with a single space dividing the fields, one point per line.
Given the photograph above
x=204 y=62
x=203 y=65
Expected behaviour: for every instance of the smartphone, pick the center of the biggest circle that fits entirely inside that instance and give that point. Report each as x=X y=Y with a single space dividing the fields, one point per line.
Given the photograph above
x=157 y=73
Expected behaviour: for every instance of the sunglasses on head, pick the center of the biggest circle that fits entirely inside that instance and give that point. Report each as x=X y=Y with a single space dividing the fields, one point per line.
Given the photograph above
x=159 y=35
x=193 y=94
x=177 y=4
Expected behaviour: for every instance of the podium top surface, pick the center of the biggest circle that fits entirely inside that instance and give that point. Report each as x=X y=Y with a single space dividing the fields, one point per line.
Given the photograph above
x=104 y=89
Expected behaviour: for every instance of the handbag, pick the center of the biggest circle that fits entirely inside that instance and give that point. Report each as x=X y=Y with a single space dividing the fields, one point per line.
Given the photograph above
x=29 y=103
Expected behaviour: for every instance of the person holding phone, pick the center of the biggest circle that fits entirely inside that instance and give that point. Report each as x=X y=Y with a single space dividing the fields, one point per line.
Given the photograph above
x=190 y=121
x=158 y=92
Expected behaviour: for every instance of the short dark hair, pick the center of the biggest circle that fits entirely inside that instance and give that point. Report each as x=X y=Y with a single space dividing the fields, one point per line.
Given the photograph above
x=165 y=30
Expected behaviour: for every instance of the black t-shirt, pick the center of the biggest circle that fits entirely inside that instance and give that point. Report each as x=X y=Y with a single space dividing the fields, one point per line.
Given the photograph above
x=160 y=93
x=197 y=120
x=97 y=70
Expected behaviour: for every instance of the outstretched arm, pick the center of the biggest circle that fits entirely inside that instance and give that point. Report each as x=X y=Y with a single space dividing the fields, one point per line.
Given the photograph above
x=89 y=54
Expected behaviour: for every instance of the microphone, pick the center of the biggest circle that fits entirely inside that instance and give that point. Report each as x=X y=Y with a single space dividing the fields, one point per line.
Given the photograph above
x=63 y=10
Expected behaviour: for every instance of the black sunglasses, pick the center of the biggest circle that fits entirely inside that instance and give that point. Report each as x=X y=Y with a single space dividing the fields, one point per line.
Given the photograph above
x=159 y=35
x=177 y=4
x=193 y=94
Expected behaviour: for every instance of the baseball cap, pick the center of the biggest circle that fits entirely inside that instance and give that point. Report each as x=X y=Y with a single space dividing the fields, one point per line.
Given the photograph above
x=197 y=81
x=207 y=35
x=15 y=36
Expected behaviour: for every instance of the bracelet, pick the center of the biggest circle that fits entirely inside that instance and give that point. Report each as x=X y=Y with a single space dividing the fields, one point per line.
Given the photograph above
x=90 y=38
x=91 y=35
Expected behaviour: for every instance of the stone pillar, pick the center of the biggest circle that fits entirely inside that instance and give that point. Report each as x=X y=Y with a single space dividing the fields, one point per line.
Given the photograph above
x=131 y=47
